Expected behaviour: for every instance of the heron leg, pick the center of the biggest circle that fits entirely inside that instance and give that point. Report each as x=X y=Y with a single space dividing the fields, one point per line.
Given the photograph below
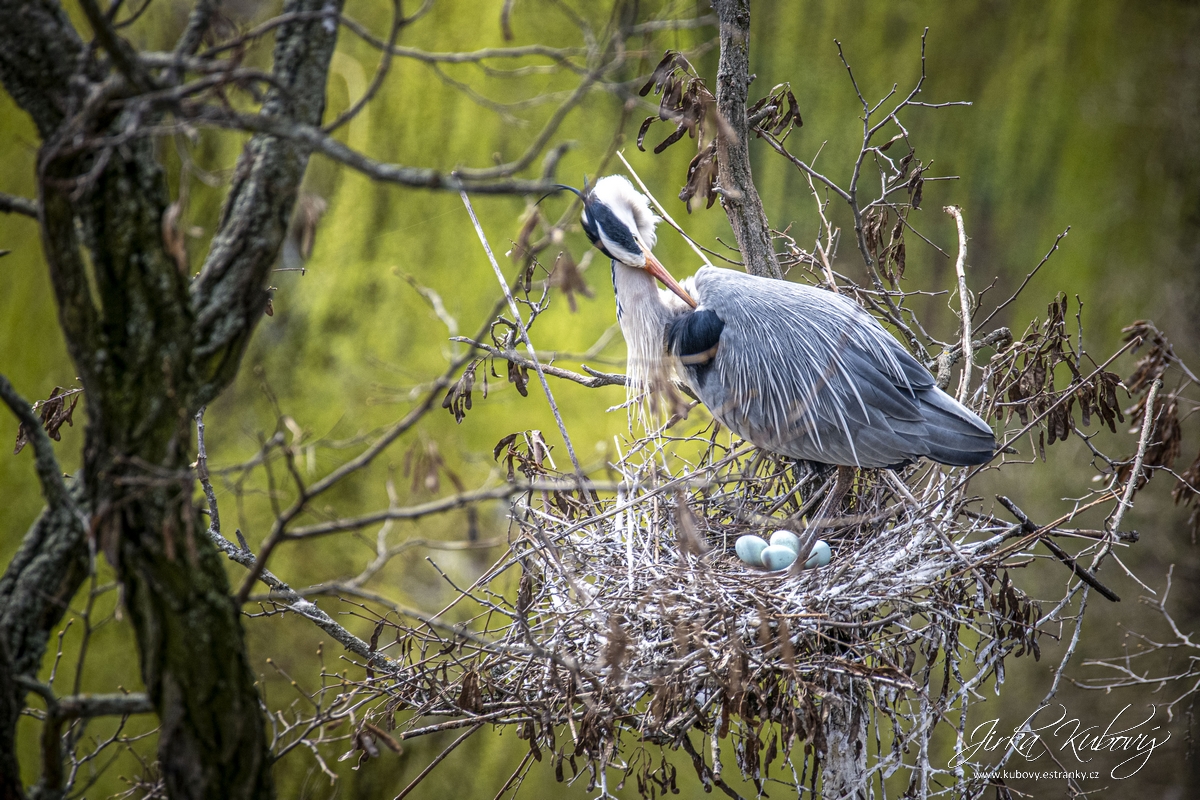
x=833 y=501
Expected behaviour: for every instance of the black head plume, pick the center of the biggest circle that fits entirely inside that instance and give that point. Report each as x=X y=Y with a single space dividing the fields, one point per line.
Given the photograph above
x=585 y=219
x=562 y=187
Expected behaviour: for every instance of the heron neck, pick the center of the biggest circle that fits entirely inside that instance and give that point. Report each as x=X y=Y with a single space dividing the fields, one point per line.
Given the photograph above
x=643 y=316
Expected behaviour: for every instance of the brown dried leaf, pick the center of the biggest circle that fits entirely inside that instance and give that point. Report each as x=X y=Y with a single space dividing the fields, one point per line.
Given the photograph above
x=701 y=178
x=672 y=139
x=532 y=460
x=458 y=397
x=895 y=253
x=384 y=737
x=1163 y=445
x=470 y=696
x=686 y=529
x=524 y=592
x=539 y=451
x=686 y=101
x=507 y=441
x=55 y=412
x=518 y=375
x=173 y=237
x=1188 y=487
x=642 y=131
x=782 y=112
x=309 y=210
x=506 y=20
x=423 y=462
x=1154 y=363
x=662 y=72
x=566 y=276
x=616 y=647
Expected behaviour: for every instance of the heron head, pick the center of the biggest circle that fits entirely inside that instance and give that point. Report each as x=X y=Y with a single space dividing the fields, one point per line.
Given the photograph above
x=618 y=221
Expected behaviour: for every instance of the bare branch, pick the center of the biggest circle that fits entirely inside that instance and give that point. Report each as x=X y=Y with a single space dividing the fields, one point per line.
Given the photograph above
x=318 y=142
x=12 y=204
x=739 y=197
x=441 y=506
x=197 y=25
x=523 y=333
x=297 y=603
x=437 y=760
x=663 y=212
x=1029 y=527
x=118 y=49
x=964 y=300
x=596 y=380
x=999 y=338
x=1136 y=475
x=803 y=167
x=385 y=63
x=1028 y=277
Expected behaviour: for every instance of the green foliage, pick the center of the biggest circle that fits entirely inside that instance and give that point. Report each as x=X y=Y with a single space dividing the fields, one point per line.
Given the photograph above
x=1074 y=123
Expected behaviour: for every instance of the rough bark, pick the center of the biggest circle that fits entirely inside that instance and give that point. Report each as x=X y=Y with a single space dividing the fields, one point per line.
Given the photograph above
x=844 y=765
x=150 y=348
x=129 y=332
x=230 y=294
x=844 y=762
x=37 y=69
x=35 y=588
x=739 y=197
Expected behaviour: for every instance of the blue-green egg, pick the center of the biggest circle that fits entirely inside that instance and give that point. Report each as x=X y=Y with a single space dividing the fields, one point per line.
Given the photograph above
x=819 y=556
x=786 y=539
x=777 y=557
x=749 y=548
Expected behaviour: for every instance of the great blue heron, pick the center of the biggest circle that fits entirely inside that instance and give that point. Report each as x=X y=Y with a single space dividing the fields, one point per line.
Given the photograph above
x=793 y=369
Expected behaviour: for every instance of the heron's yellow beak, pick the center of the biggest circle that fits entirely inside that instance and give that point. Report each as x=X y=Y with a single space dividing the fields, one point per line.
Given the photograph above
x=659 y=271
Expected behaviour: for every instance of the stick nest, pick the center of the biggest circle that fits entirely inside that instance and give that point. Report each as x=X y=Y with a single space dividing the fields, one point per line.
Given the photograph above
x=633 y=615
x=620 y=620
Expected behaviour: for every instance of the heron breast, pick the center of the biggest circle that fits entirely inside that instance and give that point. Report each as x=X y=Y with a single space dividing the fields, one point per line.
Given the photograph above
x=694 y=338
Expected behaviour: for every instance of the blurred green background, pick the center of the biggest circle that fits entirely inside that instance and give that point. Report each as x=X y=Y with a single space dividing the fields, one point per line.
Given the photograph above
x=1084 y=114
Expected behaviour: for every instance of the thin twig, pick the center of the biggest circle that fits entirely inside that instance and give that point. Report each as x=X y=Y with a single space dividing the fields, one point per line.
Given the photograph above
x=1029 y=527
x=964 y=300
x=442 y=505
x=437 y=760
x=12 y=204
x=214 y=514
x=1028 y=278
x=1143 y=443
x=666 y=216
x=523 y=332
x=385 y=63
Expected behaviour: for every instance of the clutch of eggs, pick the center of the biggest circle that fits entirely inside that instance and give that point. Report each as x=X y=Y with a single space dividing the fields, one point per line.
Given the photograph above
x=781 y=552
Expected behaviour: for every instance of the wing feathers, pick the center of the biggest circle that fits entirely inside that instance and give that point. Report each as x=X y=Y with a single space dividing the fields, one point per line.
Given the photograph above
x=811 y=375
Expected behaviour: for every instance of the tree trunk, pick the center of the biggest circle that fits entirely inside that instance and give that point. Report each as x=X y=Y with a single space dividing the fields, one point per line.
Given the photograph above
x=130 y=335
x=738 y=196
x=151 y=346
x=35 y=589
x=844 y=764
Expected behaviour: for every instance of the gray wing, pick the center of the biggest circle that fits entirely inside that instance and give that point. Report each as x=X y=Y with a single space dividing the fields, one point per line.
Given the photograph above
x=809 y=374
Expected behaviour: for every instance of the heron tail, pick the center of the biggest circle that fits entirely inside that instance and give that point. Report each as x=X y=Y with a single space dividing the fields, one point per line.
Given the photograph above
x=955 y=435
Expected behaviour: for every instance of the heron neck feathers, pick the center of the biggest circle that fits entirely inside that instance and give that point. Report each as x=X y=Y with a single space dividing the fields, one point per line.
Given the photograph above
x=643 y=315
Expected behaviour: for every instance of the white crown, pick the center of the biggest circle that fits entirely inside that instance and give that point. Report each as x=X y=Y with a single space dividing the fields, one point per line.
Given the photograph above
x=629 y=205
